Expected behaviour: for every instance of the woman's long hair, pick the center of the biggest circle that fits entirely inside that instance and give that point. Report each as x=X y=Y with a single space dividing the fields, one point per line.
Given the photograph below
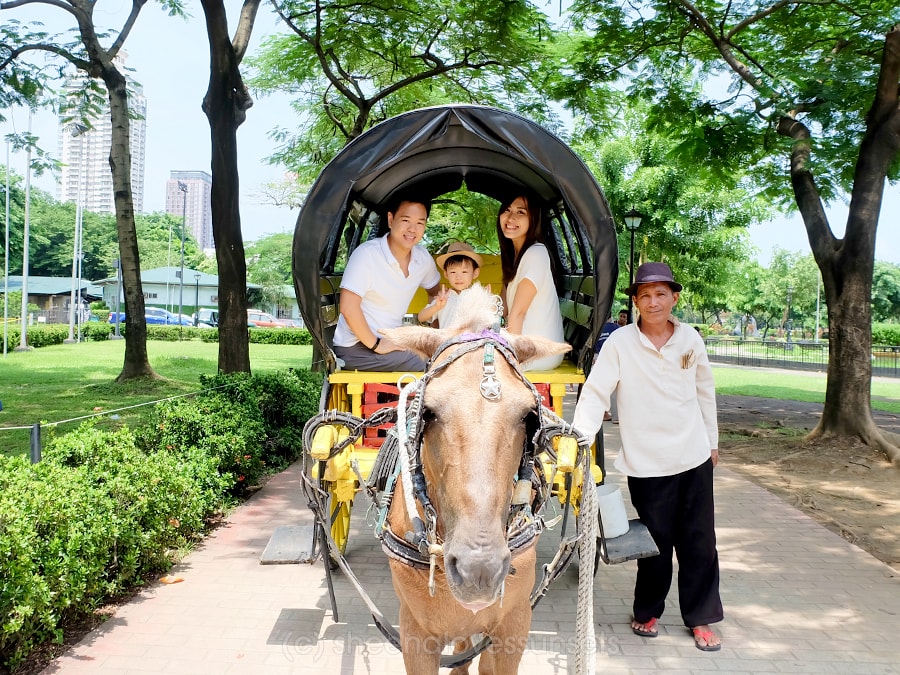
x=508 y=258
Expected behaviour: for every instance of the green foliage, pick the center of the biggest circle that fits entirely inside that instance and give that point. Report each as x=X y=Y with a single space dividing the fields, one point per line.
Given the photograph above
x=248 y=424
x=52 y=229
x=280 y=336
x=400 y=55
x=94 y=517
x=285 y=400
x=886 y=334
x=463 y=216
x=106 y=508
x=886 y=292
x=720 y=75
x=43 y=335
x=696 y=220
x=226 y=431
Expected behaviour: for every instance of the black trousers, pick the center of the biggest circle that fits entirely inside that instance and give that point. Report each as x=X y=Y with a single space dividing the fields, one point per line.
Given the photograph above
x=679 y=512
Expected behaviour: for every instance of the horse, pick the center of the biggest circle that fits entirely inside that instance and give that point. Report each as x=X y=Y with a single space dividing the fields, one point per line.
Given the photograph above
x=477 y=415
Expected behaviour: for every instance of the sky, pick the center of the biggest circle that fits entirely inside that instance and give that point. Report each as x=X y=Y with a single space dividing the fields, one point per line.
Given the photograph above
x=175 y=80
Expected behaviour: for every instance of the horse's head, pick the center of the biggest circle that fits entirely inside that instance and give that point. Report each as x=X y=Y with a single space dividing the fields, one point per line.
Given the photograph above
x=473 y=441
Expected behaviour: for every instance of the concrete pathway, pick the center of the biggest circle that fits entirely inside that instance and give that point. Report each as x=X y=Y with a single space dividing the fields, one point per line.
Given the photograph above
x=798 y=599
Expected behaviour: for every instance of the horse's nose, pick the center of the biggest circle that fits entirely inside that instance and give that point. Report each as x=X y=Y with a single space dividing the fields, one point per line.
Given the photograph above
x=476 y=573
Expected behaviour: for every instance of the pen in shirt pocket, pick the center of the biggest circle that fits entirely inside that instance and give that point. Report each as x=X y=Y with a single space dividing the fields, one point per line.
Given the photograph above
x=687 y=360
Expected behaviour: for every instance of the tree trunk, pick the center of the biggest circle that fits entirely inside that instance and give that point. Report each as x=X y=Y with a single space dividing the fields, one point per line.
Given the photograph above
x=225 y=105
x=847 y=264
x=136 y=362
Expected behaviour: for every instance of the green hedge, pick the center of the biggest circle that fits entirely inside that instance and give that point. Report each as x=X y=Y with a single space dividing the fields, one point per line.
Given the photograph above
x=95 y=516
x=54 y=334
x=886 y=334
x=105 y=509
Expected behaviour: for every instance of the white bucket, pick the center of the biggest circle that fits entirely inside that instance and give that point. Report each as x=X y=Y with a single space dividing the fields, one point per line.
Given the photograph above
x=612 y=511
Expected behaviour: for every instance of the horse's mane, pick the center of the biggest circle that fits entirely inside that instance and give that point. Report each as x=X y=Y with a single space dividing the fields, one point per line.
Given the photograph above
x=476 y=310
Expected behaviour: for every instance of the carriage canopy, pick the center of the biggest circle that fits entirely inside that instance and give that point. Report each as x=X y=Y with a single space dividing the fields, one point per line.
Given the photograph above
x=432 y=152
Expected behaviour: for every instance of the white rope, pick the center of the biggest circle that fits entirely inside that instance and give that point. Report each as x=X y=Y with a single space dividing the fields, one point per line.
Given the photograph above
x=586 y=658
x=403 y=438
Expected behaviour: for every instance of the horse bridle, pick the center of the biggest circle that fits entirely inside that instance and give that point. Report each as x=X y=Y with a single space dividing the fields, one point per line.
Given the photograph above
x=421 y=547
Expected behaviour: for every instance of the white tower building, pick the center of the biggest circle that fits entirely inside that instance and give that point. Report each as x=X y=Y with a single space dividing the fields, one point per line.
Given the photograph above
x=194 y=202
x=85 y=158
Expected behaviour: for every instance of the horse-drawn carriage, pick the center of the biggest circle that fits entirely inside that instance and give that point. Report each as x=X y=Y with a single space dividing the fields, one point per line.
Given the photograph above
x=349 y=448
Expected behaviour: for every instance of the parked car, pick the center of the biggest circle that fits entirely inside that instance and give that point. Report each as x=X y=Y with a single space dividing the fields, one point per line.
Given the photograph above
x=207 y=317
x=156 y=316
x=262 y=319
x=294 y=323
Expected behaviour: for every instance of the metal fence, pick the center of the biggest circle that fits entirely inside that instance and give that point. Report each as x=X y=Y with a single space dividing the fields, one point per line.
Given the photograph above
x=798 y=355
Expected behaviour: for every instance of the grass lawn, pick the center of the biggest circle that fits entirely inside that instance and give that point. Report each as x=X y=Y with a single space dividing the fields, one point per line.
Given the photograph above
x=796 y=386
x=66 y=382
x=58 y=386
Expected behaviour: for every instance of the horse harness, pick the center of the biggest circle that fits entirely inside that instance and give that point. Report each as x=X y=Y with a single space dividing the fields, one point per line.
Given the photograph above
x=421 y=548
x=524 y=524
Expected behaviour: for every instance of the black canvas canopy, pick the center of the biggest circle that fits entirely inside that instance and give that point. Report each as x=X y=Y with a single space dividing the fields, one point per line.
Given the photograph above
x=434 y=151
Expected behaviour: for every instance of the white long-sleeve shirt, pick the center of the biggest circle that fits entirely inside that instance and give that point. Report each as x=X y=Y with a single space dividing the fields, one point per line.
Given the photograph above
x=666 y=400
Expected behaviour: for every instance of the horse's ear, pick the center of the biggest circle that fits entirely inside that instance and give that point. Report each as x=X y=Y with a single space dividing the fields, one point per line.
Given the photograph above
x=531 y=347
x=421 y=340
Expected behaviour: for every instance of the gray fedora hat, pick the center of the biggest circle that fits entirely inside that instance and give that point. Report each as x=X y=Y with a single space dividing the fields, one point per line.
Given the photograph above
x=653 y=272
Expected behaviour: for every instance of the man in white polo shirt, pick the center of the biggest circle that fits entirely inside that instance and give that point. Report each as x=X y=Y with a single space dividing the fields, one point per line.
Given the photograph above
x=380 y=280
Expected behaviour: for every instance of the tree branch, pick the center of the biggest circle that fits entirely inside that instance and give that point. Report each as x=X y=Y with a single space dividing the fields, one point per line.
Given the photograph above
x=886 y=92
x=724 y=48
x=821 y=239
x=759 y=16
x=53 y=49
x=136 y=7
x=244 y=28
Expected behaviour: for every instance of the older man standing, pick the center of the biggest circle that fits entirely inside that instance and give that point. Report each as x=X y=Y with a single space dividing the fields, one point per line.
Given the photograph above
x=660 y=373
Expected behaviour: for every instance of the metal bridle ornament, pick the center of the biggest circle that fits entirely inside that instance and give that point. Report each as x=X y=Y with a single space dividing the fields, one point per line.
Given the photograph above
x=490 y=385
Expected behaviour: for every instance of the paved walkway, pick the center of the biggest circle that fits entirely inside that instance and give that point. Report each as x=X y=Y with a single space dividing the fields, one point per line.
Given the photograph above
x=798 y=599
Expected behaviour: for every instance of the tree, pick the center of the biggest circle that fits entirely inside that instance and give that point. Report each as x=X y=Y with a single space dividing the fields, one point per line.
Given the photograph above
x=886 y=292
x=225 y=104
x=97 y=62
x=269 y=267
x=694 y=220
x=353 y=64
x=814 y=82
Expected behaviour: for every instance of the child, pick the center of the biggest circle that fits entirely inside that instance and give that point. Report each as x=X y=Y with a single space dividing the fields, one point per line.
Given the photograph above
x=461 y=266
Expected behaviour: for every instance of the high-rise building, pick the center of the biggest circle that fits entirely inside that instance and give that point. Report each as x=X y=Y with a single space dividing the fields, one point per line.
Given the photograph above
x=85 y=158
x=189 y=194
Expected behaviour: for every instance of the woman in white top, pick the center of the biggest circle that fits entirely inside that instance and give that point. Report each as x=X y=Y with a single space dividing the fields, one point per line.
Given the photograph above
x=531 y=301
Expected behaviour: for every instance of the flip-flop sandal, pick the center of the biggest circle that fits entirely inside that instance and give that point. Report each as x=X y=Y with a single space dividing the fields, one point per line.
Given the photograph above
x=649 y=629
x=704 y=635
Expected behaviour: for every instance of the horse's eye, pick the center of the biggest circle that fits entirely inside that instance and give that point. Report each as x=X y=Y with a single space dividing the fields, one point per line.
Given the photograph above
x=428 y=415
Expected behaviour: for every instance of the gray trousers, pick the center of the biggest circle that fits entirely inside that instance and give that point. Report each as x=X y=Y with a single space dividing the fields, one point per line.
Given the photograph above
x=359 y=357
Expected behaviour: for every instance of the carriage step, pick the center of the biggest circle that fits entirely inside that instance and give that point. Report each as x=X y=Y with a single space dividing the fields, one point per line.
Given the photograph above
x=289 y=545
x=634 y=544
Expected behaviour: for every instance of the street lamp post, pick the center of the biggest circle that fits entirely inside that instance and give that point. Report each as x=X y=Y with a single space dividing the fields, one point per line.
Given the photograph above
x=632 y=222
x=788 y=324
x=184 y=189
x=196 y=297
x=6 y=264
x=78 y=131
x=26 y=236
